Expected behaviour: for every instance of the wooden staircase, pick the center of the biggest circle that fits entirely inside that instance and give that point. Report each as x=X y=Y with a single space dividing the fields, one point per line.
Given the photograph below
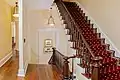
x=95 y=55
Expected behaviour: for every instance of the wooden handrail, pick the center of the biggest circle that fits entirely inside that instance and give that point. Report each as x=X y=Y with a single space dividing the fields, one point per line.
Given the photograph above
x=62 y=63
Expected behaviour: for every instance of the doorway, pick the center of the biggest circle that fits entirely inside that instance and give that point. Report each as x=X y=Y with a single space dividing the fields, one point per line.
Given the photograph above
x=50 y=35
x=15 y=41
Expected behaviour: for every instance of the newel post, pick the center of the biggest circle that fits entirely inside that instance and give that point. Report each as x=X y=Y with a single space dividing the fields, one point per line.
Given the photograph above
x=96 y=68
x=53 y=59
x=66 y=73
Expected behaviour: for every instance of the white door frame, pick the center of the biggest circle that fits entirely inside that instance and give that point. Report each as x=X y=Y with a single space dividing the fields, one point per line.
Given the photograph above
x=47 y=29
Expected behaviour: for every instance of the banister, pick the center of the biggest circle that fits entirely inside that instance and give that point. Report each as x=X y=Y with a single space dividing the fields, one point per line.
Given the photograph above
x=78 y=30
x=74 y=56
x=96 y=60
x=63 y=66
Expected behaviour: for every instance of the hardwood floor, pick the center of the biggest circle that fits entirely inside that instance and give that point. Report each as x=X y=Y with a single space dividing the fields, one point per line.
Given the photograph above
x=9 y=70
x=34 y=72
x=42 y=72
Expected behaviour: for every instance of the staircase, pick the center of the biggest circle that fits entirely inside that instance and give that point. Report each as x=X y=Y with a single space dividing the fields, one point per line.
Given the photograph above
x=95 y=55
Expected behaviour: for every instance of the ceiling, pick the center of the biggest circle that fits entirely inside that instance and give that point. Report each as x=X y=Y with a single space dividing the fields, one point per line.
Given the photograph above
x=11 y=2
x=33 y=4
x=38 y=4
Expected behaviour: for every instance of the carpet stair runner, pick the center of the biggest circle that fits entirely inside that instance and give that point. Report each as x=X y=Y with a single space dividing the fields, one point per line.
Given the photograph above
x=110 y=70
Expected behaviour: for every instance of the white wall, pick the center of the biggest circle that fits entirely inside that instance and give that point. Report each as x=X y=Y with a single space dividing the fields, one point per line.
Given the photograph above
x=5 y=31
x=38 y=20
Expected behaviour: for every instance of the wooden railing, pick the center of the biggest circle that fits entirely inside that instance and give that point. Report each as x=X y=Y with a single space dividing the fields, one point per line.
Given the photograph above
x=62 y=63
x=88 y=61
x=57 y=59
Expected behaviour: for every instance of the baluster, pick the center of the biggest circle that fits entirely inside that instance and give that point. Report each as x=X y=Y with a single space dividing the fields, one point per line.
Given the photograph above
x=76 y=35
x=71 y=37
x=85 y=58
x=73 y=44
x=80 y=61
x=77 y=52
x=88 y=64
x=76 y=43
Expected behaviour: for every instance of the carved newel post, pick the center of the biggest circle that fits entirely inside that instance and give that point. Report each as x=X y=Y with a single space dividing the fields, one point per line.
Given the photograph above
x=53 y=60
x=96 y=68
x=66 y=74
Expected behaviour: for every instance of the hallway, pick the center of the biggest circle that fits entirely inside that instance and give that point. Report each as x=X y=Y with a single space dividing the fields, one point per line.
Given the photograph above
x=34 y=72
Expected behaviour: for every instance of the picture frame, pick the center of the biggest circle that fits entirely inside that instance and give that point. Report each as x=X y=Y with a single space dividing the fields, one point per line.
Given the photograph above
x=48 y=43
x=48 y=50
x=48 y=46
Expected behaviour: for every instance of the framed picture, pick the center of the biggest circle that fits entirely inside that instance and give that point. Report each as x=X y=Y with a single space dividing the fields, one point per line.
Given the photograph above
x=48 y=46
x=48 y=43
x=48 y=50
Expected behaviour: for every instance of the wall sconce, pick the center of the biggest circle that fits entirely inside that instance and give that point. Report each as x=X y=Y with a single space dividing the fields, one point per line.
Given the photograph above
x=51 y=19
x=15 y=12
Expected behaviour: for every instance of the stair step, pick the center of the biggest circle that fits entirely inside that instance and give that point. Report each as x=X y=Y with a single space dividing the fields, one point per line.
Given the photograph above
x=66 y=31
x=95 y=30
x=98 y=35
x=102 y=40
x=91 y=26
x=112 y=53
x=107 y=46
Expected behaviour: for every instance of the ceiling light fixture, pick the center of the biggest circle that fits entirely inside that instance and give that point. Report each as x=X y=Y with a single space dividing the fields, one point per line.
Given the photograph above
x=15 y=13
x=51 y=19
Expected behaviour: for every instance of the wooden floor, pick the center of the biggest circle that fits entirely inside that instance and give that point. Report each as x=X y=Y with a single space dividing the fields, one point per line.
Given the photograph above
x=34 y=72
x=42 y=72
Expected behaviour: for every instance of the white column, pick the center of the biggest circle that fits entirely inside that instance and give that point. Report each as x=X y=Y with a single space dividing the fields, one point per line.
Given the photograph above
x=21 y=71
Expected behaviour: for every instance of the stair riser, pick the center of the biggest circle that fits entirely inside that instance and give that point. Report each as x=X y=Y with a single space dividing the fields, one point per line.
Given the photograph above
x=98 y=35
x=102 y=40
x=66 y=31
x=94 y=30
x=107 y=47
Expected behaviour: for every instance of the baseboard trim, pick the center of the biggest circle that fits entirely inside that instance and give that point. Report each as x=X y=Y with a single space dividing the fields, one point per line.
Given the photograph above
x=26 y=67
x=6 y=58
x=107 y=39
x=22 y=72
